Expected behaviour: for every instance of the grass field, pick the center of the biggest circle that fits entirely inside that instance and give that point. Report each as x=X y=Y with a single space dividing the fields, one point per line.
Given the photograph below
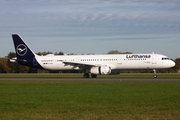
x=89 y=100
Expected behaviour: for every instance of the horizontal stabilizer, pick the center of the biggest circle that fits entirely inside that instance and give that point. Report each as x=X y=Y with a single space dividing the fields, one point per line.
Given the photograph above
x=13 y=60
x=17 y=60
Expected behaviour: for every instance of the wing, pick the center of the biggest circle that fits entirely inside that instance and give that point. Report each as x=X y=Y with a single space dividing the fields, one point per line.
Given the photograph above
x=86 y=65
x=80 y=65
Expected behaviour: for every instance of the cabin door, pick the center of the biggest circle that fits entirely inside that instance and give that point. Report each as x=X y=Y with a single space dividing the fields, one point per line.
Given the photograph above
x=34 y=61
x=119 y=60
x=154 y=59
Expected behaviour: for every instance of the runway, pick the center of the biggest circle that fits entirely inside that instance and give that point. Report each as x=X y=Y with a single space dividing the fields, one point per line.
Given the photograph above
x=89 y=79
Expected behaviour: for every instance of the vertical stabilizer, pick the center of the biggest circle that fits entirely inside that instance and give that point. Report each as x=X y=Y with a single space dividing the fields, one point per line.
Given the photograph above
x=21 y=48
x=25 y=55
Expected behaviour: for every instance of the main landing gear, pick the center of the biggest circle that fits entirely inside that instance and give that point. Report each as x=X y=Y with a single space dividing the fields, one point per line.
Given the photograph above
x=86 y=75
x=155 y=75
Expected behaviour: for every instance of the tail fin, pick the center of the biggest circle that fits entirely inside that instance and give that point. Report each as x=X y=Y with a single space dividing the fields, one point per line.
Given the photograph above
x=25 y=55
x=21 y=48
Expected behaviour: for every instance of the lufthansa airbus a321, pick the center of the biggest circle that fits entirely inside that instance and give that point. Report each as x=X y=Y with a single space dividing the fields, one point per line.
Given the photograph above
x=89 y=64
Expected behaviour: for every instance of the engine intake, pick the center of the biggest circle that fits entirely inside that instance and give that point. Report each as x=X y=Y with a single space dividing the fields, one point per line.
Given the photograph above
x=100 y=70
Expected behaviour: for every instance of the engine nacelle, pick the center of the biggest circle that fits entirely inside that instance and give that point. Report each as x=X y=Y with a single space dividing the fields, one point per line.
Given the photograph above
x=100 y=70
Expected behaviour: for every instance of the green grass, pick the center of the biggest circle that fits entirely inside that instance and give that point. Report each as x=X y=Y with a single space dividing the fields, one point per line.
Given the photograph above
x=80 y=75
x=89 y=100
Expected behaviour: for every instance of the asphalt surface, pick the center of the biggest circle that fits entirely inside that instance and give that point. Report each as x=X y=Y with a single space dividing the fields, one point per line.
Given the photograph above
x=92 y=79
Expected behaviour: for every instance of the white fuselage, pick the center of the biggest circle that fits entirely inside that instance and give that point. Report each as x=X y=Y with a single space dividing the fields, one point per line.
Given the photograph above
x=114 y=61
x=94 y=64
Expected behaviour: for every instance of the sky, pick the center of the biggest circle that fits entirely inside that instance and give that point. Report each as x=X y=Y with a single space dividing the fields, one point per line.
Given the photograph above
x=92 y=26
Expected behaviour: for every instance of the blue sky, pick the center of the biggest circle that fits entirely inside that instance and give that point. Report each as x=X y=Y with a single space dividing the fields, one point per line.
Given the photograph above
x=92 y=26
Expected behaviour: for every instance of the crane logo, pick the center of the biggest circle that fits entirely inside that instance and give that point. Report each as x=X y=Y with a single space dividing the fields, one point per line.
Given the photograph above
x=21 y=49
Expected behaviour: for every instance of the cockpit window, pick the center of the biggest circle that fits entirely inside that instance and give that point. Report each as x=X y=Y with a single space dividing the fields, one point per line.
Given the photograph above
x=165 y=59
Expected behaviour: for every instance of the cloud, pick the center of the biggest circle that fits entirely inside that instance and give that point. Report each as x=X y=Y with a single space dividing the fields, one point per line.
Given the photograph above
x=122 y=16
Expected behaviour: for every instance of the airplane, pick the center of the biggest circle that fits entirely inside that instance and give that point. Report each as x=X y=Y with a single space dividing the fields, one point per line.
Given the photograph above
x=89 y=64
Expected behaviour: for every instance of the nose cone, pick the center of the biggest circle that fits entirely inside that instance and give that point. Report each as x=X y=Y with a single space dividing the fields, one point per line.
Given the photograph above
x=172 y=63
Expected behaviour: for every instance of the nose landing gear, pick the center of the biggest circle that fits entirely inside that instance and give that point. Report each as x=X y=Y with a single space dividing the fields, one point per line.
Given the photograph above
x=155 y=75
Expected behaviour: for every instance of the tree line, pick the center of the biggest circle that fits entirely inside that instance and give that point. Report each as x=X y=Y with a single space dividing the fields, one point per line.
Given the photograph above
x=8 y=67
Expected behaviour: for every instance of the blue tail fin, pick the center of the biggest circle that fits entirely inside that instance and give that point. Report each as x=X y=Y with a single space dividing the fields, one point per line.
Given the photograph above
x=21 y=48
x=25 y=55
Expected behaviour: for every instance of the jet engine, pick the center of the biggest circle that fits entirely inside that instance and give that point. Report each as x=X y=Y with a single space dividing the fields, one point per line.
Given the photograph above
x=100 y=70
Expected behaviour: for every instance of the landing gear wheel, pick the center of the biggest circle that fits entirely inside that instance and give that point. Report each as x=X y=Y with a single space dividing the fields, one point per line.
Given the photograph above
x=86 y=75
x=93 y=75
x=155 y=75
